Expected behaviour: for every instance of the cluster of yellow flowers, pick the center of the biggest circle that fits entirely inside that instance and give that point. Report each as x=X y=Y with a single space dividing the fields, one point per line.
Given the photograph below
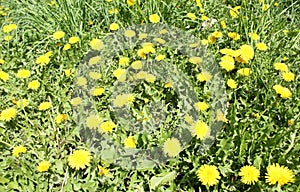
x=288 y=76
x=3 y=11
x=7 y=29
x=209 y=175
x=79 y=159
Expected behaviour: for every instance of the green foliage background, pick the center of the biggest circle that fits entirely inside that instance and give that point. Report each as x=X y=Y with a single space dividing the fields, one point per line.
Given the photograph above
x=244 y=140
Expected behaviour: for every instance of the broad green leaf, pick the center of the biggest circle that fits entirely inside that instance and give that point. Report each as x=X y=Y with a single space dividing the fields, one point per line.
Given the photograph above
x=3 y=180
x=156 y=181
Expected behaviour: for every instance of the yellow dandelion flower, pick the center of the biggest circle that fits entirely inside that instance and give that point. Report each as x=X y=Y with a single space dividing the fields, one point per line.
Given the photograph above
x=168 y=84
x=58 y=35
x=198 y=2
x=148 y=48
x=124 y=99
x=113 y=11
x=52 y=3
x=8 y=37
x=61 y=118
x=279 y=174
x=195 y=60
x=68 y=72
x=141 y=53
x=217 y=34
x=249 y=174
x=18 y=149
x=146 y=44
x=143 y=36
x=150 y=78
x=102 y=171
x=288 y=76
x=204 y=76
x=261 y=46
x=281 y=67
x=208 y=175
x=188 y=119
x=247 y=52
x=3 y=75
x=234 y=11
x=172 y=147
x=160 y=57
x=73 y=40
x=278 y=88
x=265 y=7
x=130 y=2
x=10 y=27
x=81 y=81
x=93 y=121
x=8 y=114
x=107 y=127
x=233 y=35
x=276 y=4
x=227 y=63
x=97 y=91
x=67 y=47
x=34 y=85
x=159 y=40
x=79 y=159
x=244 y=71
x=49 y=53
x=154 y=18
x=42 y=60
x=223 y=24
x=163 y=31
x=201 y=106
x=44 y=106
x=94 y=60
x=192 y=16
x=76 y=101
x=120 y=74
x=43 y=166
x=231 y=83
x=200 y=129
x=220 y=116
x=129 y=142
x=137 y=65
x=211 y=39
x=2 y=61
x=23 y=73
x=204 y=17
x=141 y=75
x=230 y=52
x=129 y=33
x=285 y=93
x=96 y=44
x=253 y=36
x=124 y=61
x=114 y=26
x=290 y=122
x=22 y=103
x=95 y=75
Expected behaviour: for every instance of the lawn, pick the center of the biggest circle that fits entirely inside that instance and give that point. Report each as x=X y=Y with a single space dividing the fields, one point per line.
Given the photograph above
x=153 y=95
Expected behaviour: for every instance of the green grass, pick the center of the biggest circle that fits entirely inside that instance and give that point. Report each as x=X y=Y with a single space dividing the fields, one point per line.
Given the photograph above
x=244 y=140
